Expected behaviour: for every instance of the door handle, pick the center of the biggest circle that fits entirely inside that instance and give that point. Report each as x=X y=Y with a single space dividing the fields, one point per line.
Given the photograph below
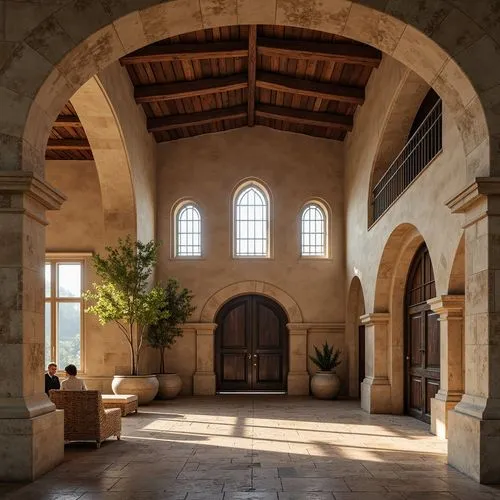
x=249 y=356
x=255 y=355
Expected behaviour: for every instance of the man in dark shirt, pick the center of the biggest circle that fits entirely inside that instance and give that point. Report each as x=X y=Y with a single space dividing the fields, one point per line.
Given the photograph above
x=51 y=379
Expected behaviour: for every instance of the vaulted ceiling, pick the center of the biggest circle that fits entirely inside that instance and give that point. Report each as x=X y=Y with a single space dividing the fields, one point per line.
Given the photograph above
x=219 y=79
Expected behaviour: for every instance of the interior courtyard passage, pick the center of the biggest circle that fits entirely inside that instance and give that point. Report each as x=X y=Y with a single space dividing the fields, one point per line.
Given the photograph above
x=259 y=447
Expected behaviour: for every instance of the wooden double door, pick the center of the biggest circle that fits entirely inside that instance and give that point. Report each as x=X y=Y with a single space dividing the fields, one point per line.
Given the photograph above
x=422 y=339
x=251 y=348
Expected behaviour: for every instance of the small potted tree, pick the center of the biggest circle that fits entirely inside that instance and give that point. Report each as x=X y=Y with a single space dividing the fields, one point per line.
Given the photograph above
x=325 y=384
x=162 y=335
x=124 y=297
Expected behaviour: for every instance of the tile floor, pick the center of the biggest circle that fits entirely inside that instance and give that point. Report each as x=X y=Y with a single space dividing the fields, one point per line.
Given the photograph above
x=260 y=447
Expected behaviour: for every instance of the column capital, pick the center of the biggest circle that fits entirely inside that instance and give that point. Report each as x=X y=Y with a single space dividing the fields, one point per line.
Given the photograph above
x=202 y=328
x=448 y=306
x=298 y=328
x=20 y=182
x=375 y=318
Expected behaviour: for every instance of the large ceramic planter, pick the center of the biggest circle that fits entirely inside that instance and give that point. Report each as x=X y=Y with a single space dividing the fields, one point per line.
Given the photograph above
x=144 y=387
x=170 y=385
x=325 y=385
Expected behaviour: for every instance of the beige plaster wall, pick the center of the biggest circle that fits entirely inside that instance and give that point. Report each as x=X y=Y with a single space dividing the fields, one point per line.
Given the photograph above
x=422 y=206
x=296 y=169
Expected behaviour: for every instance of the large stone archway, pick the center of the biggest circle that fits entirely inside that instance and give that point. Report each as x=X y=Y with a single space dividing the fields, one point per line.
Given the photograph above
x=61 y=47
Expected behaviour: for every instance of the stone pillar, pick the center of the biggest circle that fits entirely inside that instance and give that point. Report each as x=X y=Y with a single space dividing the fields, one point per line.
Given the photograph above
x=474 y=423
x=451 y=329
x=376 y=388
x=204 y=377
x=31 y=431
x=298 y=376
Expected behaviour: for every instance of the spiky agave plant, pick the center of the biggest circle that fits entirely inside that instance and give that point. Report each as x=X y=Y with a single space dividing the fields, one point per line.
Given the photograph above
x=327 y=359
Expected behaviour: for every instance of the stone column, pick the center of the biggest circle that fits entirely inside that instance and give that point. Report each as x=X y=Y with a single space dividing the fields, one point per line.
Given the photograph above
x=376 y=388
x=474 y=423
x=204 y=377
x=298 y=376
x=451 y=329
x=31 y=431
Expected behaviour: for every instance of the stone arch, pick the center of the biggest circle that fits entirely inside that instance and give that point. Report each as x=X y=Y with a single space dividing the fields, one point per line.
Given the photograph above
x=105 y=136
x=68 y=45
x=355 y=309
x=456 y=284
x=215 y=302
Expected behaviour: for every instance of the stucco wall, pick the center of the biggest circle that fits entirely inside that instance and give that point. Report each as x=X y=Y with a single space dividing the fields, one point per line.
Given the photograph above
x=422 y=206
x=296 y=169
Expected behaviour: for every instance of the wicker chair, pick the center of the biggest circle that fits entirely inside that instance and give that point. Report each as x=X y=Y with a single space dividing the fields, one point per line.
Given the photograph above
x=85 y=417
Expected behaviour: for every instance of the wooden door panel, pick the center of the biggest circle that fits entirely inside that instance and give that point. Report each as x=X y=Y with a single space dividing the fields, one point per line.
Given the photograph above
x=431 y=389
x=267 y=328
x=234 y=328
x=269 y=369
x=234 y=367
x=416 y=393
x=415 y=340
x=432 y=343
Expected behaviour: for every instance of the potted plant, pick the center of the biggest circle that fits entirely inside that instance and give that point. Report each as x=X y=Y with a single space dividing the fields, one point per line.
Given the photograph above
x=161 y=335
x=325 y=384
x=125 y=297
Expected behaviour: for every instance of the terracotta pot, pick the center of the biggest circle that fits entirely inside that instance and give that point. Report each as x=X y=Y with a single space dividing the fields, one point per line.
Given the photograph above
x=325 y=385
x=144 y=387
x=170 y=385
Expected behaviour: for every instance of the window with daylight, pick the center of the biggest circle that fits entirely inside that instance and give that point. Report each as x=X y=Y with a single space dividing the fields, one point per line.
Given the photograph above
x=63 y=312
x=251 y=225
x=188 y=231
x=314 y=231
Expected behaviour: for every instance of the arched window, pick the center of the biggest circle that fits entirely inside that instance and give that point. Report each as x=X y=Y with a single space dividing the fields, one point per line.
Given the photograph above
x=314 y=231
x=188 y=231
x=251 y=212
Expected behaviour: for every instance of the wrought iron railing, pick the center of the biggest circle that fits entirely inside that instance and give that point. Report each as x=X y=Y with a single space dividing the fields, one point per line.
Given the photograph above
x=419 y=151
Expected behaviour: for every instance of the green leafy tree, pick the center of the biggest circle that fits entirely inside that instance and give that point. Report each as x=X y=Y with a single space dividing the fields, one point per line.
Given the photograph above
x=326 y=360
x=124 y=295
x=175 y=311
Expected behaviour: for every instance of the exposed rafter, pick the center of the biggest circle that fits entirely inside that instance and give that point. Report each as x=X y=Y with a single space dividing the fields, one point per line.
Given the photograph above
x=273 y=81
x=67 y=144
x=302 y=117
x=191 y=119
x=346 y=53
x=68 y=121
x=179 y=90
x=186 y=52
x=252 y=71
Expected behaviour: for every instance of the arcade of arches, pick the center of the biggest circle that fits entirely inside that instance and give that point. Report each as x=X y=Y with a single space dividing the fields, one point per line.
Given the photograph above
x=114 y=115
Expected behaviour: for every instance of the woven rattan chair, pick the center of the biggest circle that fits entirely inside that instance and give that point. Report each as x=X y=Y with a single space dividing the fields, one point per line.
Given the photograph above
x=85 y=417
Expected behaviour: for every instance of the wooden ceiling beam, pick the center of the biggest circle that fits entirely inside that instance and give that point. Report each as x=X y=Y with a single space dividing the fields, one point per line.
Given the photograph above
x=346 y=53
x=252 y=72
x=186 y=52
x=191 y=119
x=302 y=117
x=180 y=90
x=68 y=121
x=329 y=91
x=67 y=144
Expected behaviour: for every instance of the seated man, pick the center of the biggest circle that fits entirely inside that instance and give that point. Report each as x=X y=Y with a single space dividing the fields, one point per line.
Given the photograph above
x=51 y=379
x=72 y=383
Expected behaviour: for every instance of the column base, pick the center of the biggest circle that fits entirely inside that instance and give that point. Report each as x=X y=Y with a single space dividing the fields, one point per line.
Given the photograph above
x=473 y=446
x=31 y=447
x=204 y=384
x=440 y=406
x=376 y=395
x=298 y=384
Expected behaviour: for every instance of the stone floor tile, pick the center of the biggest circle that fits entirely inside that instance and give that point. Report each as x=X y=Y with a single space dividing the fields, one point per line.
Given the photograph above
x=370 y=495
x=251 y=495
x=313 y=484
x=286 y=495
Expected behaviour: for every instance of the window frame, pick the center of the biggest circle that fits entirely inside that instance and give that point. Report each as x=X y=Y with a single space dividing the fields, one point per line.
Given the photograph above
x=326 y=213
x=61 y=258
x=175 y=221
x=240 y=189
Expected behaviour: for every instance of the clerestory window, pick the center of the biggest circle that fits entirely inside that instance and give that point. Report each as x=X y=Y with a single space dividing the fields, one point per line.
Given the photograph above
x=188 y=231
x=314 y=233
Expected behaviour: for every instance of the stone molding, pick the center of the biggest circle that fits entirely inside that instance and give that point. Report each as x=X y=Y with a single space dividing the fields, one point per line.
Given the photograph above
x=449 y=307
x=28 y=183
x=219 y=298
x=300 y=328
x=375 y=318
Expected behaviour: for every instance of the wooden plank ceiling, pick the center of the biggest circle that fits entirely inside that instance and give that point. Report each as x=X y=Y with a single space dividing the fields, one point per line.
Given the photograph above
x=218 y=79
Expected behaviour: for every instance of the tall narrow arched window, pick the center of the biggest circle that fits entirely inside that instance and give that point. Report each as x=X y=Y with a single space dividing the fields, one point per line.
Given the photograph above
x=188 y=231
x=313 y=231
x=251 y=224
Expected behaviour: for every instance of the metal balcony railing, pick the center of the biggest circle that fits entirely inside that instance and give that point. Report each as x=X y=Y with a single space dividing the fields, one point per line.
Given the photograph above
x=419 y=151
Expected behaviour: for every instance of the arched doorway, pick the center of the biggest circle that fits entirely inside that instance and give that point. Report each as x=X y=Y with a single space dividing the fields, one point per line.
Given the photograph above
x=251 y=345
x=422 y=362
